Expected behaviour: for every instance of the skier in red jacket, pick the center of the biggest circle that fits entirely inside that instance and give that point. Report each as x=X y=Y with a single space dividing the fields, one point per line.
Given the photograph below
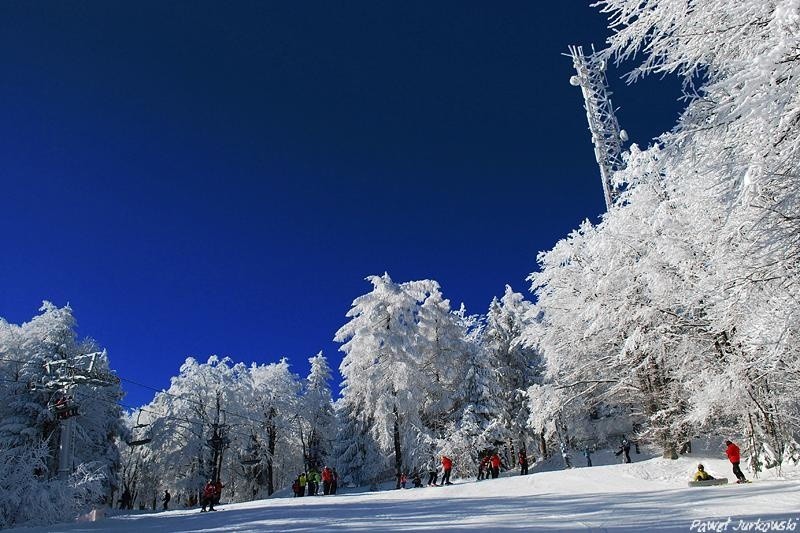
x=447 y=465
x=208 y=496
x=327 y=480
x=495 y=461
x=732 y=451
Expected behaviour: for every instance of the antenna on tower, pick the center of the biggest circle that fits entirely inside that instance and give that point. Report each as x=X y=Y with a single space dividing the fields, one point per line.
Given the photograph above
x=607 y=136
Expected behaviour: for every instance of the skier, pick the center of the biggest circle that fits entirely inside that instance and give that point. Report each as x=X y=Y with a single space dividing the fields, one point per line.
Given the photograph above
x=624 y=448
x=447 y=466
x=483 y=466
x=312 y=479
x=334 y=481
x=565 y=456
x=317 y=481
x=523 y=463
x=732 y=451
x=296 y=487
x=701 y=474
x=301 y=479
x=208 y=496
x=417 y=481
x=403 y=480
x=496 y=463
x=588 y=454
x=217 y=491
x=167 y=497
x=327 y=478
x=433 y=473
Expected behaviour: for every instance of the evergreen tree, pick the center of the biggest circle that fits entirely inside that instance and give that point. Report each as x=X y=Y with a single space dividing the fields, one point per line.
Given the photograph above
x=383 y=367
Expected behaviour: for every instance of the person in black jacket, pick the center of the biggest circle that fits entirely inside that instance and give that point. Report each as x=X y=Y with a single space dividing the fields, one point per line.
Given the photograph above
x=625 y=450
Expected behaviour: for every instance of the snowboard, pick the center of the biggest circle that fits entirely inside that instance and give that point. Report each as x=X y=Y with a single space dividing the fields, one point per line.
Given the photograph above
x=709 y=482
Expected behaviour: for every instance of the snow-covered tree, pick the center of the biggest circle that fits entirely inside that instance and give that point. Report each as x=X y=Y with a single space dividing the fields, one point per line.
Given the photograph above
x=681 y=305
x=42 y=363
x=516 y=366
x=316 y=412
x=275 y=401
x=474 y=432
x=383 y=365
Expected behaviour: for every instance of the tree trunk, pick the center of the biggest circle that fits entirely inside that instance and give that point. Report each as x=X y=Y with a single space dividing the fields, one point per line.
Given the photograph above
x=398 y=455
x=271 y=439
x=542 y=444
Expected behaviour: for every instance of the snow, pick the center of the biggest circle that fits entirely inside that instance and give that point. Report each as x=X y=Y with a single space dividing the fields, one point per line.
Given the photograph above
x=648 y=495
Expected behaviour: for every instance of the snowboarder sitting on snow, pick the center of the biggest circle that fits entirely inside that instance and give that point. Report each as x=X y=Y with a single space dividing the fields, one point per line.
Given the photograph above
x=417 y=481
x=701 y=474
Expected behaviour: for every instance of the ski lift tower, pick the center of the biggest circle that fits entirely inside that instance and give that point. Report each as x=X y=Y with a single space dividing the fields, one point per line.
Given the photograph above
x=607 y=137
x=62 y=377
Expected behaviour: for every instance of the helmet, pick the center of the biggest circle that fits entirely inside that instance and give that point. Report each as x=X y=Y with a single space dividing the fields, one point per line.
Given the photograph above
x=700 y=467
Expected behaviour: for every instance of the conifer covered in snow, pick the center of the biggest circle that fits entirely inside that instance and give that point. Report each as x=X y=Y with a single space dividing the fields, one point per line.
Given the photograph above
x=316 y=412
x=383 y=367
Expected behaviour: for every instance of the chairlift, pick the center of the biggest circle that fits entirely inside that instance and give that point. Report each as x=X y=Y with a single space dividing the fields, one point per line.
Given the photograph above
x=250 y=457
x=64 y=407
x=140 y=435
x=249 y=460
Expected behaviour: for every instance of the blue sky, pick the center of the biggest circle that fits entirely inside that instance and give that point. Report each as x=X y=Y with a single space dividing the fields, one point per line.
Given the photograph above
x=200 y=178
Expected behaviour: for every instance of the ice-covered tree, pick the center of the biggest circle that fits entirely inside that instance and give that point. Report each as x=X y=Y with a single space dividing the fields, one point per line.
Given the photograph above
x=385 y=366
x=475 y=430
x=516 y=365
x=686 y=292
x=42 y=363
x=276 y=405
x=316 y=412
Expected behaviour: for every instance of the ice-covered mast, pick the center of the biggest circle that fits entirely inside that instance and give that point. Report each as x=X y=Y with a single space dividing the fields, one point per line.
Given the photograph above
x=607 y=137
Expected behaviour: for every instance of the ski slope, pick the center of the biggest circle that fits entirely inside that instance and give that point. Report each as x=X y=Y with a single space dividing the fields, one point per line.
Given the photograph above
x=649 y=495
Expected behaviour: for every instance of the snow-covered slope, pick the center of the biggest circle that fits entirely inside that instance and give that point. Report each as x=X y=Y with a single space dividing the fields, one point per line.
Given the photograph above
x=647 y=495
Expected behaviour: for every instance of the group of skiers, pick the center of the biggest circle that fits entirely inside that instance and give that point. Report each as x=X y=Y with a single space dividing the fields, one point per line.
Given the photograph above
x=489 y=465
x=211 y=494
x=308 y=483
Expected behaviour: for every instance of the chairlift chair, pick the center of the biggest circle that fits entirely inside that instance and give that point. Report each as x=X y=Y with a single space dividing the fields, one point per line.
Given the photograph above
x=139 y=435
x=249 y=460
x=64 y=407
x=250 y=457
